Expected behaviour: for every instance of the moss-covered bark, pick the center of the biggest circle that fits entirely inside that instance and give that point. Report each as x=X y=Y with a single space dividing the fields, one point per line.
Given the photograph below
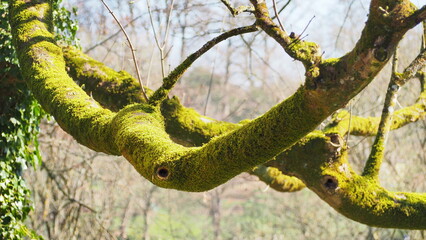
x=184 y=125
x=277 y=180
x=134 y=132
x=112 y=89
x=43 y=68
x=143 y=132
x=360 y=198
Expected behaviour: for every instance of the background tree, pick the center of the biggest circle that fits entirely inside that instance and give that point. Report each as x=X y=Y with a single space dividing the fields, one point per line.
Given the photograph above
x=187 y=134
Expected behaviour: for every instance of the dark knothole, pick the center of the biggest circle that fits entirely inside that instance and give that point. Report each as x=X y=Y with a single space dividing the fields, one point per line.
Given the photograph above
x=330 y=183
x=381 y=54
x=335 y=140
x=163 y=173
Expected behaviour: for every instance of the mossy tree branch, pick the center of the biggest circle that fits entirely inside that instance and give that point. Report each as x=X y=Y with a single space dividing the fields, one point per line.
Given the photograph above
x=113 y=90
x=277 y=180
x=139 y=131
x=374 y=161
x=359 y=198
x=185 y=126
x=43 y=68
x=307 y=52
x=304 y=153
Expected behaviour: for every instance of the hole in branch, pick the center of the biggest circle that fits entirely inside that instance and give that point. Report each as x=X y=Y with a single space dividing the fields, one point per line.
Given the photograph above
x=334 y=138
x=330 y=183
x=163 y=173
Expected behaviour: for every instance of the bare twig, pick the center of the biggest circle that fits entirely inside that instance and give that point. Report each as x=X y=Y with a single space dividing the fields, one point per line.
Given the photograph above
x=300 y=37
x=112 y=35
x=284 y=7
x=161 y=46
x=307 y=25
x=131 y=48
x=343 y=23
x=277 y=15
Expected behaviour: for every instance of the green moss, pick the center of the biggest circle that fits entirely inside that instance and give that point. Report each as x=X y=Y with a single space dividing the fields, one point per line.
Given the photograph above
x=367 y=126
x=327 y=172
x=306 y=52
x=277 y=180
x=367 y=202
x=112 y=89
x=43 y=67
x=188 y=125
x=330 y=61
x=138 y=132
x=142 y=140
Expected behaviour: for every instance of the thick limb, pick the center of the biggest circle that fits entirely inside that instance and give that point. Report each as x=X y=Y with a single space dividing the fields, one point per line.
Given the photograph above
x=138 y=131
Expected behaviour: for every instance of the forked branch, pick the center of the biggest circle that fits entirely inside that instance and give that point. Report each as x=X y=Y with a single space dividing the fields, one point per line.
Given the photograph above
x=236 y=11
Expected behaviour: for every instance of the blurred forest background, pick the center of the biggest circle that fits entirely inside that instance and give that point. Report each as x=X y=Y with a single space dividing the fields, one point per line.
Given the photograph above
x=81 y=194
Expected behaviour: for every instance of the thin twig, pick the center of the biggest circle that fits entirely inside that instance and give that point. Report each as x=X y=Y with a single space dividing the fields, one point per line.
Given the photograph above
x=299 y=37
x=112 y=35
x=307 y=25
x=161 y=46
x=277 y=15
x=211 y=74
x=228 y=5
x=284 y=7
x=343 y=23
x=148 y=4
x=131 y=48
x=169 y=18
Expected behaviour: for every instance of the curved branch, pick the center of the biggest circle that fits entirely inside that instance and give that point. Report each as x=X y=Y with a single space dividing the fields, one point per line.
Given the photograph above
x=42 y=66
x=184 y=125
x=138 y=131
x=277 y=180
